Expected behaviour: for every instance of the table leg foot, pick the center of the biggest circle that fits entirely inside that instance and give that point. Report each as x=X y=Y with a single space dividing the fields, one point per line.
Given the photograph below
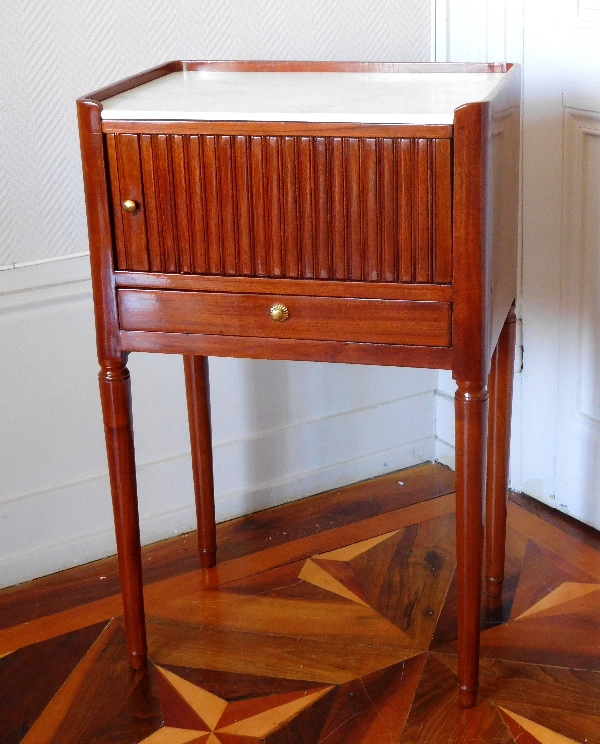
x=137 y=660
x=500 y=390
x=471 y=408
x=208 y=558
x=467 y=698
x=115 y=396
x=198 y=403
x=493 y=586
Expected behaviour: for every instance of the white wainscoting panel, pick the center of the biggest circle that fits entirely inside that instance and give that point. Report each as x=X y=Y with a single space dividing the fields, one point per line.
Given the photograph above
x=479 y=31
x=578 y=459
x=282 y=430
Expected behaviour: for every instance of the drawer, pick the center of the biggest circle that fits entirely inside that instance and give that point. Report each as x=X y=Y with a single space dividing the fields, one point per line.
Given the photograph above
x=401 y=322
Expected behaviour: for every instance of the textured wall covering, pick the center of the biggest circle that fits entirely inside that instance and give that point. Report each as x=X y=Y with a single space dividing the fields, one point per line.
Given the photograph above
x=51 y=51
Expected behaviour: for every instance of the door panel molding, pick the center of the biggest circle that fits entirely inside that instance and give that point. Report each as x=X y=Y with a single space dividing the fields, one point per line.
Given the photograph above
x=578 y=450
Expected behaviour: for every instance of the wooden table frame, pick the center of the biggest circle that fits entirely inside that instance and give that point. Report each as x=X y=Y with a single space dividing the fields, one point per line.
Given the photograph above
x=463 y=321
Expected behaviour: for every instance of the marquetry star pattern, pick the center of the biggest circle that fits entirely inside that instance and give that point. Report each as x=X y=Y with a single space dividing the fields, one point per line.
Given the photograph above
x=194 y=714
x=355 y=645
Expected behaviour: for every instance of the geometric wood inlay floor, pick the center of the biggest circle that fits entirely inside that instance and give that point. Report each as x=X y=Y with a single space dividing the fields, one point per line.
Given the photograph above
x=327 y=621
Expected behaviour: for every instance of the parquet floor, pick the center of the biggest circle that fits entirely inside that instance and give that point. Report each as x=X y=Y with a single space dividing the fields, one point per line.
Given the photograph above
x=327 y=621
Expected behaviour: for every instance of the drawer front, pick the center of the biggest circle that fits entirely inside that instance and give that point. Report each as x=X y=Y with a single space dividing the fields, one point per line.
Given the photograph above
x=296 y=317
x=342 y=208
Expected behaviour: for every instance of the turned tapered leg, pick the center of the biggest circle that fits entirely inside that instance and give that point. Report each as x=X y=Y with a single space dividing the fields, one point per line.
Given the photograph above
x=501 y=387
x=115 y=395
x=198 y=402
x=471 y=408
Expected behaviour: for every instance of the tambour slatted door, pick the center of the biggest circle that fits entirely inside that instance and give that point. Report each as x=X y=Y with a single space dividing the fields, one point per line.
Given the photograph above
x=350 y=209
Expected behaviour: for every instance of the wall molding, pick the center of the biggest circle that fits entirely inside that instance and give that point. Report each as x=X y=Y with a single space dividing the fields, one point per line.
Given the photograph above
x=31 y=562
x=36 y=275
x=578 y=437
x=57 y=446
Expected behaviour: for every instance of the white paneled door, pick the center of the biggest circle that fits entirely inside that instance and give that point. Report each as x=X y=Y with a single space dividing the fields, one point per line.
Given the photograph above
x=556 y=417
x=560 y=426
x=578 y=436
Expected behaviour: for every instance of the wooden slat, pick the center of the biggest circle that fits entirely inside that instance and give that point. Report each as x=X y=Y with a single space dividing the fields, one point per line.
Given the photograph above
x=212 y=205
x=290 y=189
x=306 y=210
x=197 y=206
x=370 y=199
x=390 y=243
x=117 y=210
x=404 y=200
x=274 y=209
x=353 y=208
x=180 y=192
x=442 y=243
x=338 y=210
x=151 y=206
x=226 y=204
x=422 y=201
x=164 y=195
x=322 y=195
x=245 y=261
x=257 y=186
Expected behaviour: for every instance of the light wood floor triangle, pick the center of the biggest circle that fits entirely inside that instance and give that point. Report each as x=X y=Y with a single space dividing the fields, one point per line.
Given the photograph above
x=317 y=576
x=208 y=706
x=168 y=735
x=264 y=723
x=566 y=592
x=542 y=734
x=348 y=552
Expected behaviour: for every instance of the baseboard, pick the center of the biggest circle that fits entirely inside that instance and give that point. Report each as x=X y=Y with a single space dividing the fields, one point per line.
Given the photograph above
x=55 y=497
x=444 y=453
x=156 y=478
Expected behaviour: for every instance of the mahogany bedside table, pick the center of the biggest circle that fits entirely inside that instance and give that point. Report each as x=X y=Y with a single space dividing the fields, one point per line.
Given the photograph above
x=338 y=212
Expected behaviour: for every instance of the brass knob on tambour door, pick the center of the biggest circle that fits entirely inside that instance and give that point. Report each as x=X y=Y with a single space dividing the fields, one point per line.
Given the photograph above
x=279 y=313
x=129 y=205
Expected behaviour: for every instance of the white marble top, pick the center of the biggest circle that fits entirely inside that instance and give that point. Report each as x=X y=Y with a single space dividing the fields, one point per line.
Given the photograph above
x=376 y=98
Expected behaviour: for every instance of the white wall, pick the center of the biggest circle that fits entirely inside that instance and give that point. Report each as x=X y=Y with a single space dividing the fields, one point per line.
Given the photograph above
x=281 y=430
x=53 y=52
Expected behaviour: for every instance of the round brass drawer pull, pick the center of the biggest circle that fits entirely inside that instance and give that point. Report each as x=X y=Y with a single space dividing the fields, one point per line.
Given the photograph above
x=279 y=313
x=129 y=205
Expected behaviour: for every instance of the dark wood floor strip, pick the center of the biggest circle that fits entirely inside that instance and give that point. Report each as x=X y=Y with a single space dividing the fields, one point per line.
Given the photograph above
x=583 y=532
x=236 y=538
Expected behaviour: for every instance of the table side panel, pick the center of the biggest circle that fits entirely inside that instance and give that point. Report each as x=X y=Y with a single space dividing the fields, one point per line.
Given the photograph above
x=485 y=224
x=503 y=199
x=470 y=280
x=311 y=318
